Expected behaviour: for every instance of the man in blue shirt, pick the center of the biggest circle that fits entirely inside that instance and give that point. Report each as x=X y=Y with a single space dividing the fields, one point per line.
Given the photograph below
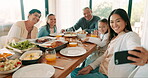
x=87 y=23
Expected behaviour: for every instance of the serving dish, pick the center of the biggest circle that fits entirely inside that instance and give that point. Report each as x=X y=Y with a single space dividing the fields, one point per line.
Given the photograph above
x=21 y=46
x=57 y=47
x=31 y=57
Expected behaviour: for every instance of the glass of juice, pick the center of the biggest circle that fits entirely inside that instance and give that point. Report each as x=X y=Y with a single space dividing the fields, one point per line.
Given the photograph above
x=59 y=35
x=73 y=44
x=93 y=34
x=50 y=55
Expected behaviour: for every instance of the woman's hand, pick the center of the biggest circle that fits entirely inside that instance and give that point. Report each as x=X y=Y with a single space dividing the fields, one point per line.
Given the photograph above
x=143 y=56
x=85 y=70
x=63 y=30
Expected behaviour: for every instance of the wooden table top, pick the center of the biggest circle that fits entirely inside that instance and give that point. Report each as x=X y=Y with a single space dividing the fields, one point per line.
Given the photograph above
x=69 y=65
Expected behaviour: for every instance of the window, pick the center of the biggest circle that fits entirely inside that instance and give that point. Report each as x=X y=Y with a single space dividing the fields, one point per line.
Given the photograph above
x=35 y=4
x=103 y=8
x=10 y=13
x=137 y=15
x=68 y=12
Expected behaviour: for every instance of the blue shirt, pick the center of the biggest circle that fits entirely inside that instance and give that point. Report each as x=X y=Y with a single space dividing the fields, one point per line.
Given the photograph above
x=44 y=31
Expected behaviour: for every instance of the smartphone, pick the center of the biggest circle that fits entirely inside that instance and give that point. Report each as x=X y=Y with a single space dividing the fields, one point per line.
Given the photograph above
x=121 y=57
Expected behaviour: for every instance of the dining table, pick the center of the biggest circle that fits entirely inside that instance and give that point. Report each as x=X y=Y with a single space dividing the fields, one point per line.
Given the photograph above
x=64 y=65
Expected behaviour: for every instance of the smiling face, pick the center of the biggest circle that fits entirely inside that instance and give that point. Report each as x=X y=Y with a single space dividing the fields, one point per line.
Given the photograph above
x=51 y=21
x=87 y=14
x=102 y=27
x=35 y=17
x=117 y=23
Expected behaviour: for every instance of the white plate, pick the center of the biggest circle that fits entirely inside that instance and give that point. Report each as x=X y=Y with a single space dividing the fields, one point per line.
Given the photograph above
x=4 y=50
x=55 y=34
x=73 y=51
x=18 y=50
x=35 y=71
x=70 y=35
x=47 y=37
x=31 y=51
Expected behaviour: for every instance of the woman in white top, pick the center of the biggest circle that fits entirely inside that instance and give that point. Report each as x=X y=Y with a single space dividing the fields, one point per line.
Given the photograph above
x=122 y=38
x=102 y=41
x=25 y=29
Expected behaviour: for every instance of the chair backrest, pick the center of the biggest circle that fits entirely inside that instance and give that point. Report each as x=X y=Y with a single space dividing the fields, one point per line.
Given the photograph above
x=140 y=72
x=133 y=72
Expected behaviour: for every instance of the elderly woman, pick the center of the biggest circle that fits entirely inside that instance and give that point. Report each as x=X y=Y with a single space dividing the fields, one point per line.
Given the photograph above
x=25 y=29
x=50 y=26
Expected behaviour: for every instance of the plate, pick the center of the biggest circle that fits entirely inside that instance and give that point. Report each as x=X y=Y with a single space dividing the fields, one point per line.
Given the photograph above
x=35 y=71
x=43 y=40
x=45 y=46
x=4 y=50
x=31 y=57
x=21 y=46
x=70 y=35
x=73 y=51
x=55 y=34
x=10 y=66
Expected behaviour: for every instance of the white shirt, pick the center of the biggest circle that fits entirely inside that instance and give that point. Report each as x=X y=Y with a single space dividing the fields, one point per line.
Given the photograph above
x=102 y=41
x=127 y=41
x=18 y=31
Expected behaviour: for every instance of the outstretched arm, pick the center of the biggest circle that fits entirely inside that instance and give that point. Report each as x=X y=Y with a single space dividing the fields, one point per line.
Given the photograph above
x=143 y=56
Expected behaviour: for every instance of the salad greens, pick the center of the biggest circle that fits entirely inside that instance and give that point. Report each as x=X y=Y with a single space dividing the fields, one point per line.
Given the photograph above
x=22 y=45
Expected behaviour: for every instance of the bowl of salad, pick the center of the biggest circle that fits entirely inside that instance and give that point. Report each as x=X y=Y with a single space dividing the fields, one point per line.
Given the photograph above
x=21 y=46
x=9 y=66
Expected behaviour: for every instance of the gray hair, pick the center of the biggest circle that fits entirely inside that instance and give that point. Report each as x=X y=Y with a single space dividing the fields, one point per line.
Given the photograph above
x=86 y=8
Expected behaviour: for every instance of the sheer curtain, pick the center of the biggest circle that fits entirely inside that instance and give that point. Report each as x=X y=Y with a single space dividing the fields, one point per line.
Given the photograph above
x=145 y=27
x=68 y=12
x=142 y=71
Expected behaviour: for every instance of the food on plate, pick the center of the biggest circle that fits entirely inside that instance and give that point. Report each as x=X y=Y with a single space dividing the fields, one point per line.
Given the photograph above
x=70 y=35
x=5 y=54
x=9 y=64
x=42 y=40
x=31 y=56
x=22 y=45
x=56 y=44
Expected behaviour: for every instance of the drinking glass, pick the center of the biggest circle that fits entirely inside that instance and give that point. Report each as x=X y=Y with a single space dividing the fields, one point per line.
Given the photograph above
x=73 y=42
x=50 y=55
x=93 y=33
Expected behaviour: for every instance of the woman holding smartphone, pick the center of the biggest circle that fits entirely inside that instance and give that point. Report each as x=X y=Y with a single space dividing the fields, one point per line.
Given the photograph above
x=121 y=38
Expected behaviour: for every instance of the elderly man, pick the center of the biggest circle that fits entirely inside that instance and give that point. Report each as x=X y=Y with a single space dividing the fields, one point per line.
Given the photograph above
x=87 y=23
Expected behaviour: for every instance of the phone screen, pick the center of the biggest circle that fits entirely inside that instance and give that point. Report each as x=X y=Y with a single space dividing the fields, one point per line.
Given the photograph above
x=121 y=57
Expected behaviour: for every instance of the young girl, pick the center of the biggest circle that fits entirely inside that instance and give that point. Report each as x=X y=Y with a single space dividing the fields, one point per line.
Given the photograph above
x=50 y=26
x=101 y=41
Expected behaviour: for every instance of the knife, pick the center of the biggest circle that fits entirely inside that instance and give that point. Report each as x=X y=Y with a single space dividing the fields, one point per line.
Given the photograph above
x=59 y=67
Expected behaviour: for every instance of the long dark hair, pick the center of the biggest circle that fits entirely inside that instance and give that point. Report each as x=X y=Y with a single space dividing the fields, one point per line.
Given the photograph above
x=122 y=13
x=47 y=25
